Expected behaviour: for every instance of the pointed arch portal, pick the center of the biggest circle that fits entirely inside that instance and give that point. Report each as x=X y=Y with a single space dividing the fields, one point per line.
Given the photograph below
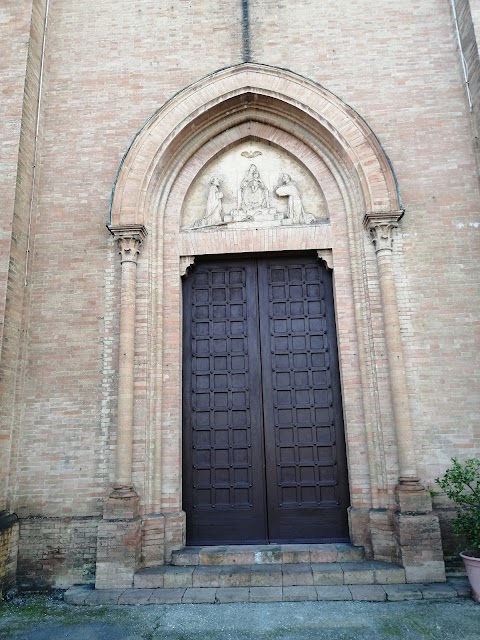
x=256 y=160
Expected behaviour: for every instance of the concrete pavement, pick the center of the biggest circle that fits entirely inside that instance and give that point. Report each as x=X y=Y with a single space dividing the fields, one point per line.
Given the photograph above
x=49 y=618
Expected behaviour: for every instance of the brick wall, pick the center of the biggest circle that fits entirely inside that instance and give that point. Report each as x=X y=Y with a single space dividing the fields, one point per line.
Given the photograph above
x=109 y=67
x=18 y=105
x=97 y=74
x=8 y=552
x=16 y=25
x=398 y=66
x=56 y=552
x=468 y=30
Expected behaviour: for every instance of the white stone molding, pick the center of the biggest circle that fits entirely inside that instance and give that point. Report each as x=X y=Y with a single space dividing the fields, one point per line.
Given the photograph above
x=185 y=263
x=380 y=227
x=327 y=256
x=129 y=239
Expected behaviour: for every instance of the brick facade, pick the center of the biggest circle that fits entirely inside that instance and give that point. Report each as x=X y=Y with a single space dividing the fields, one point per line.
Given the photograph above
x=101 y=79
x=8 y=551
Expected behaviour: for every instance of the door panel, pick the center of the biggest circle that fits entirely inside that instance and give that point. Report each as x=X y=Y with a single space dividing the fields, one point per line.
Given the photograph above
x=306 y=476
x=264 y=454
x=224 y=489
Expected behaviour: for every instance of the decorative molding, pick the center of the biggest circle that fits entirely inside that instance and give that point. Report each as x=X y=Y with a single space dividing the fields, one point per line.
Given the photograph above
x=121 y=492
x=185 y=263
x=327 y=256
x=381 y=226
x=129 y=239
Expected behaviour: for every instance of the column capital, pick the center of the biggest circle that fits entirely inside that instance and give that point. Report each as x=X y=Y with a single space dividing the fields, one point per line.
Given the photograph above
x=380 y=225
x=129 y=238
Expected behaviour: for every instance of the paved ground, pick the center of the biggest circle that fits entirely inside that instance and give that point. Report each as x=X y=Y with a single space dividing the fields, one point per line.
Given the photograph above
x=49 y=618
x=296 y=592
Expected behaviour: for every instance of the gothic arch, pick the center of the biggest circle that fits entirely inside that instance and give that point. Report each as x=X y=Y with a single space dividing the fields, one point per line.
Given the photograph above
x=328 y=138
x=250 y=92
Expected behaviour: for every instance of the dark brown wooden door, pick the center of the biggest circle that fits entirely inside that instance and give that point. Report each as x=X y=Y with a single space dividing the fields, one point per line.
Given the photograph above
x=263 y=446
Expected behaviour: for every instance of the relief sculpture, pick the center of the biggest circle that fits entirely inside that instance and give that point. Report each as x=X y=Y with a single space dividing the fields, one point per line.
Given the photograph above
x=213 y=210
x=253 y=193
x=259 y=195
x=295 y=211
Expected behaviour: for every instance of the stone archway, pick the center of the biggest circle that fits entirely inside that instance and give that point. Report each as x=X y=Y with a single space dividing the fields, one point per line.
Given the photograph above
x=326 y=140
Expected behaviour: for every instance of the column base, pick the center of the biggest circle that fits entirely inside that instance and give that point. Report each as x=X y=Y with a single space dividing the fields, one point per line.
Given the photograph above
x=175 y=532
x=119 y=540
x=417 y=532
x=383 y=535
x=153 y=540
x=359 y=528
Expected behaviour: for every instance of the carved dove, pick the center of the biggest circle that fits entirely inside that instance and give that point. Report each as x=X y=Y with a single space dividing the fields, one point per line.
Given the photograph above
x=251 y=154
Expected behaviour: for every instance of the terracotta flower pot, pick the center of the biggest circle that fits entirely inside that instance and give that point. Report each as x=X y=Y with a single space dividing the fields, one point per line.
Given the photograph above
x=472 y=565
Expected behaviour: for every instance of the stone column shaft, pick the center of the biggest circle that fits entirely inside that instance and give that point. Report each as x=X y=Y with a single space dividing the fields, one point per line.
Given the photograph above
x=123 y=469
x=129 y=240
x=417 y=530
x=381 y=226
x=401 y=407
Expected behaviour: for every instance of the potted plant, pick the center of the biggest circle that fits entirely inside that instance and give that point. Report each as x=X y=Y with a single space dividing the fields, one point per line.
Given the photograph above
x=461 y=483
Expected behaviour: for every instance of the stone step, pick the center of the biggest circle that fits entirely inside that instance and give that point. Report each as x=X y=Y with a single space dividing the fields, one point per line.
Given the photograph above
x=86 y=595
x=273 y=575
x=267 y=554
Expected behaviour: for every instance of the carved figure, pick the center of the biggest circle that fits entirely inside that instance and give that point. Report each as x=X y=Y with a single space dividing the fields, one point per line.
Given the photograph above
x=295 y=211
x=253 y=192
x=251 y=154
x=213 y=210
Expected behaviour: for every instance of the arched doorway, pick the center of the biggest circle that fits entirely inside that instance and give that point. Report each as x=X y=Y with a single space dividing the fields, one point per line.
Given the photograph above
x=335 y=182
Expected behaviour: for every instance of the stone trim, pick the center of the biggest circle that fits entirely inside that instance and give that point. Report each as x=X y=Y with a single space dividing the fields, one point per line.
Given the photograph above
x=381 y=227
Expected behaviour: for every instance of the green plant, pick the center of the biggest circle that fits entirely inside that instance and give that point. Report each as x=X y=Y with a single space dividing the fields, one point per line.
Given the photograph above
x=461 y=483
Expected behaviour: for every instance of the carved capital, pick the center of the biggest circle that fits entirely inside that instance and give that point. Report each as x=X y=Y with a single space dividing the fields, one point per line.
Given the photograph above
x=129 y=239
x=381 y=226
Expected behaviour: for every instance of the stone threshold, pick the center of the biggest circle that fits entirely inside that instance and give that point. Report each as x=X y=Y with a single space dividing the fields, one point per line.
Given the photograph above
x=88 y=596
x=267 y=554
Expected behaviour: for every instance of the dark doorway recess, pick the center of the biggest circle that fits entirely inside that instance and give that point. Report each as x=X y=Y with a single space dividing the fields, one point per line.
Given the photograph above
x=263 y=442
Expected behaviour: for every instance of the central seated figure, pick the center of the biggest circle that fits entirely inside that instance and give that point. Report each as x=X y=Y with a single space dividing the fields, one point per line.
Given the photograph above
x=253 y=192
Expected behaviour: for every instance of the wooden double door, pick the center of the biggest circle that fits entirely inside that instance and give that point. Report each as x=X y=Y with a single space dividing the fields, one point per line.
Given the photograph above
x=263 y=443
